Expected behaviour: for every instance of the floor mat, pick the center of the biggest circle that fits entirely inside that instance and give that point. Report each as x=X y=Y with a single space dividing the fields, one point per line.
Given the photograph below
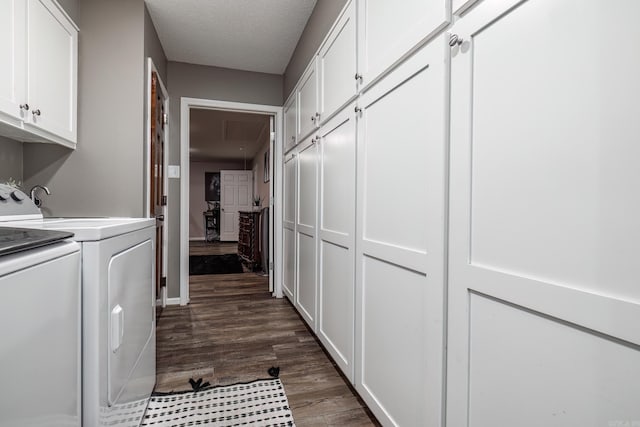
x=258 y=403
x=214 y=264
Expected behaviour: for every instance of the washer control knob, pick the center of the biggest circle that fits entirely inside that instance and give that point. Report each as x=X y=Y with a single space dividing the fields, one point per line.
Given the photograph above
x=18 y=196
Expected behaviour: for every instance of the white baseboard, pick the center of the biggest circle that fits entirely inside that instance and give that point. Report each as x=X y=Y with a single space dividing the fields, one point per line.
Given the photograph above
x=196 y=239
x=170 y=301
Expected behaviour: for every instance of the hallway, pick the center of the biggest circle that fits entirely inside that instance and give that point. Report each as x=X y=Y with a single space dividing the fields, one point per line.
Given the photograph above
x=234 y=331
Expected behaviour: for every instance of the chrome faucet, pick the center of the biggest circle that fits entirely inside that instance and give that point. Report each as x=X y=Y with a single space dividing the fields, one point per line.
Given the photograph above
x=33 y=196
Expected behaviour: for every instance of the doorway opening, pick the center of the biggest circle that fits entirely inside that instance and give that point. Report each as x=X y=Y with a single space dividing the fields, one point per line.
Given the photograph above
x=229 y=183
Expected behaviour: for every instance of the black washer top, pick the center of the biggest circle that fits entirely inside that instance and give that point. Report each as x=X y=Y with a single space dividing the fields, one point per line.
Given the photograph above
x=20 y=239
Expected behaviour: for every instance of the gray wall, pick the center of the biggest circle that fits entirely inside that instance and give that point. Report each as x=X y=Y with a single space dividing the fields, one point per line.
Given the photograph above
x=197 y=81
x=72 y=9
x=10 y=159
x=322 y=18
x=104 y=175
x=153 y=48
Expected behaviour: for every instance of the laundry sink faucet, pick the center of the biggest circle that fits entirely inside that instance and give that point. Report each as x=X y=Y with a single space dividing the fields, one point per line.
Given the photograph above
x=35 y=198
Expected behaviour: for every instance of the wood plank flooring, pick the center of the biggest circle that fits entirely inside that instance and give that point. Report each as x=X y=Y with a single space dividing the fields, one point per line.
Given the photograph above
x=234 y=331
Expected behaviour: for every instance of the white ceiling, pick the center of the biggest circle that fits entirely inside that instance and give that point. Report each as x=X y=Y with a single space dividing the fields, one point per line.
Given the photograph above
x=252 y=35
x=224 y=135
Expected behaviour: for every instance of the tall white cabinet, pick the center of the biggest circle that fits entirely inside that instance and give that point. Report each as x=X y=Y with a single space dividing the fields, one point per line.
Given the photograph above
x=402 y=151
x=336 y=238
x=38 y=85
x=306 y=232
x=543 y=296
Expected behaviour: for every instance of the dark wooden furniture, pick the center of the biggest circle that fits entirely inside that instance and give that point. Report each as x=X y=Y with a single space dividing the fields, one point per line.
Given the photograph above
x=249 y=238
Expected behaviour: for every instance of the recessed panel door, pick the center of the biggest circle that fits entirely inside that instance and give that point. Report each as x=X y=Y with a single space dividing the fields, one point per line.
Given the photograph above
x=289 y=226
x=12 y=55
x=235 y=195
x=336 y=257
x=545 y=215
x=400 y=241
x=290 y=127
x=389 y=30
x=308 y=114
x=306 y=230
x=337 y=65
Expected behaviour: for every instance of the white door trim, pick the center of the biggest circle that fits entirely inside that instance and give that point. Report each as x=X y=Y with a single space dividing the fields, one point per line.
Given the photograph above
x=151 y=67
x=185 y=105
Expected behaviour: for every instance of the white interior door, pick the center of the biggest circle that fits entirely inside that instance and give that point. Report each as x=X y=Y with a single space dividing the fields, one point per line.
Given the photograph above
x=235 y=195
x=306 y=230
x=289 y=226
x=544 y=299
x=400 y=261
x=336 y=257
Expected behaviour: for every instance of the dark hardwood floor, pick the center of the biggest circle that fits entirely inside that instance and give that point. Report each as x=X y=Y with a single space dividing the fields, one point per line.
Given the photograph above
x=234 y=331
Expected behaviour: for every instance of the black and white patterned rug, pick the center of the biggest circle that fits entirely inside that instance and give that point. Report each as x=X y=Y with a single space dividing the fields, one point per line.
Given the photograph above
x=258 y=403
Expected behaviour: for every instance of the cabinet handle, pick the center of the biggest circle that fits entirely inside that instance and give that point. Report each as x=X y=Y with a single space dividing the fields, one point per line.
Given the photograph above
x=24 y=107
x=358 y=76
x=313 y=119
x=357 y=109
x=293 y=139
x=454 y=39
x=36 y=112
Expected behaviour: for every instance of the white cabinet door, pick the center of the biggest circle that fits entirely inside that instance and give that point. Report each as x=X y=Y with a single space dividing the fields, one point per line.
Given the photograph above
x=306 y=289
x=308 y=115
x=544 y=299
x=336 y=257
x=52 y=46
x=290 y=119
x=402 y=154
x=337 y=65
x=12 y=57
x=289 y=226
x=388 y=30
x=236 y=194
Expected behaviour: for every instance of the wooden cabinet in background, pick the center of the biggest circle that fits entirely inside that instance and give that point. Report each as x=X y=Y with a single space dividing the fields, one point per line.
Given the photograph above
x=249 y=238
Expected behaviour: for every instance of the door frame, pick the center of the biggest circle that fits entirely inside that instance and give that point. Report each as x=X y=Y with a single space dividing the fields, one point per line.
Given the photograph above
x=275 y=219
x=151 y=68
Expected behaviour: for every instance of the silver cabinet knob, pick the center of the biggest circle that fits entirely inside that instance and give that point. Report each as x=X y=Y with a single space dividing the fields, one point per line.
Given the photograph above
x=293 y=138
x=358 y=76
x=454 y=39
x=24 y=107
x=36 y=112
x=313 y=119
x=357 y=109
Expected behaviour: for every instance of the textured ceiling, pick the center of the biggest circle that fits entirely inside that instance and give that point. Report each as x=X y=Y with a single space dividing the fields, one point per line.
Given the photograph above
x=216 y=135
x=252 y=35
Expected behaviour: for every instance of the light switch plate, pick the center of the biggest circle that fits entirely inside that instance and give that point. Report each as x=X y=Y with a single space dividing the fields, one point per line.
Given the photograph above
x=173 y=171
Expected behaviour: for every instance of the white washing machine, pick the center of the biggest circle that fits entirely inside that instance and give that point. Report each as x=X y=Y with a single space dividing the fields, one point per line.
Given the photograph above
x=39 y=325
x=118 y=314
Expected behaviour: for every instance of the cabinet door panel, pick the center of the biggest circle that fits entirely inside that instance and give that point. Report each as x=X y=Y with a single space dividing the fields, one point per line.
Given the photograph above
x=337 y=163
x=308 y=101
x=544 y=214
x=306 y=241
x=402 y=154
x=337 y=65
x=12 y=56
x=290 y=118
x=52 y=45
x=389 y=30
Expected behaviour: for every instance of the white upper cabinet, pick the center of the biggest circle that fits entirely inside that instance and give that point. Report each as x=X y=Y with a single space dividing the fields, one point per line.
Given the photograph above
x=307 y=94
x=52 y=46
x=290 y=119
x=12 y=57
x=38 y=87
x=337 y=65
x=389 y=30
